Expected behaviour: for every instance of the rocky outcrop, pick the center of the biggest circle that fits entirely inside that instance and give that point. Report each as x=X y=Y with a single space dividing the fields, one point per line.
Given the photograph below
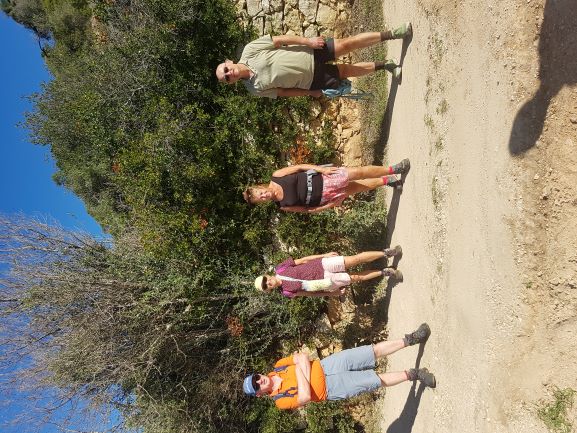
x=299 y=17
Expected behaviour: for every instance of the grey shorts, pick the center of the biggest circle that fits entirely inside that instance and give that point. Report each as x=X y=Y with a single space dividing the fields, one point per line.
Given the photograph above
x=350 y=372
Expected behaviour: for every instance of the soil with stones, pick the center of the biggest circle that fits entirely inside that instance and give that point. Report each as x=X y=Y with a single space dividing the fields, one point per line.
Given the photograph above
x=487 y=113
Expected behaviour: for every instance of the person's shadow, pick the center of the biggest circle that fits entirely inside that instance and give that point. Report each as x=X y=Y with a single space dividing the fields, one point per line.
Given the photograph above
x=557 y=68
x=387 y=118
x=404 y=423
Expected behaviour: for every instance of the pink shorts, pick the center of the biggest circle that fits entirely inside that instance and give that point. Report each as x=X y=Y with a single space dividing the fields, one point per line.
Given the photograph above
x=334 y=268
x=334 y=186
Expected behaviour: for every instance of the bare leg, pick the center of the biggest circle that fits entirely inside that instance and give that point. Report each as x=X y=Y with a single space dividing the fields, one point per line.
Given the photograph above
x=365 y=276
x=385 y=348
x=362 y=40
x=346 y=70
x=393 y=378
x=367 y=171
x=364 y=257
x=357 y=186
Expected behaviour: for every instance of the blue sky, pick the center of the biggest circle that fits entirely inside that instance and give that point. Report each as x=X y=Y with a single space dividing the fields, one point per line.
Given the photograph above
x=26 y=170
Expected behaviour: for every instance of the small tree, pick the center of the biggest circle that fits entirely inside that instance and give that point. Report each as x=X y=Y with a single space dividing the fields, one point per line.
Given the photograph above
x=30 y=13
x=111 y=325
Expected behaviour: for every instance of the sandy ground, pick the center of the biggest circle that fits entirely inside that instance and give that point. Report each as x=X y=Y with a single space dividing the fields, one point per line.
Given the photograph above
x=487 y=113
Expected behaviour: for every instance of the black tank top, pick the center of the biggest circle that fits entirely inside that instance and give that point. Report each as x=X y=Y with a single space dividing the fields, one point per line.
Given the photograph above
x=294 y=187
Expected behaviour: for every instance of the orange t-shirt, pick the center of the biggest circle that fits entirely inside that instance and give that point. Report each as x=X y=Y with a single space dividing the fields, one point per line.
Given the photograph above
x=289 y=380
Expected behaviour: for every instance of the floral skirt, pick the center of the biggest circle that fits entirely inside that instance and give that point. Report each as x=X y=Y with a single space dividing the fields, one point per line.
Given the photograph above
x=334 y=186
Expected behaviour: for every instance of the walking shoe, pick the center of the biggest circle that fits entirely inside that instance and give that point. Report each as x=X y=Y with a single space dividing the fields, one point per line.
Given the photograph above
x=392 y=272
x=405 y=30
x=394 y=68
x=402 y=167
x=396 y=183
x=423 y=376
x=391 y=252
x=419 y=336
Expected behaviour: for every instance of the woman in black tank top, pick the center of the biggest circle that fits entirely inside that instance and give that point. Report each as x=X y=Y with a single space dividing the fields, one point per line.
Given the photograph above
x=312 y=188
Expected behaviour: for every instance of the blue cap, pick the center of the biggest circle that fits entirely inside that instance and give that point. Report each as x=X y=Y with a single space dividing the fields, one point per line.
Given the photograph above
x=247 y=386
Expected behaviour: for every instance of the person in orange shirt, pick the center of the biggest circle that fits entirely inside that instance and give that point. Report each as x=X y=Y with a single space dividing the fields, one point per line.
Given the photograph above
x=296 y=380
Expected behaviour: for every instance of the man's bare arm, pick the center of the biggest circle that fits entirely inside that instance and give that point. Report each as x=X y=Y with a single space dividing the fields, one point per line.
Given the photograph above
x=316 y=42
x=303 y=373
x=298 y=92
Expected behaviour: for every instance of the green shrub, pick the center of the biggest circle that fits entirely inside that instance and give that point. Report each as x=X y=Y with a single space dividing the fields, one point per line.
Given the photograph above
x=328 y=417
x=142 y=131
x=554 y=414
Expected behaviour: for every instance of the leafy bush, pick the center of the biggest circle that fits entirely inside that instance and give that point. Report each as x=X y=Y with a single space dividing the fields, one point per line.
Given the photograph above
x=329 y=417
x=164 y=324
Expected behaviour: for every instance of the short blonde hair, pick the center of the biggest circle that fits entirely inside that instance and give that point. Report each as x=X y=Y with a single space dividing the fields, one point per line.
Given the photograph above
x=249 y=191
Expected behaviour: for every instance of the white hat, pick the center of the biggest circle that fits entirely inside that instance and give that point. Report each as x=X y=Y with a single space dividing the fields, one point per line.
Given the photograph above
x=258 y=283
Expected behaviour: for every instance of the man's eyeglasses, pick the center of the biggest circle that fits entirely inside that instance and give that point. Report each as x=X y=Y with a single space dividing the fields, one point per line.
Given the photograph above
x=255 y=384
x=226 y=70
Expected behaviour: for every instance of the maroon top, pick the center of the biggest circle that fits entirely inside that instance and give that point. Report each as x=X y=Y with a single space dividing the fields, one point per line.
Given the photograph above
x=312 y=270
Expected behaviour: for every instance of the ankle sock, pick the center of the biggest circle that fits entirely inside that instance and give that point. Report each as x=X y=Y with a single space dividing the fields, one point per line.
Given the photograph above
x=387 y=180
x=386 y=35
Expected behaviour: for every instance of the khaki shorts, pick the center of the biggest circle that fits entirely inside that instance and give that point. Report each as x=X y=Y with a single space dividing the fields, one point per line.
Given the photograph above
x=334 y=268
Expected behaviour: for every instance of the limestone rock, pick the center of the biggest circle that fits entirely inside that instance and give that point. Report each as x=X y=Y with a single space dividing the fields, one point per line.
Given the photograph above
x=326 y=16
x=309 y=9
x=311 y=31
x=324 y=332
x=316 y=108
x=293 y=20
x=270 y=6
x=253 y=7
x=353 y=154
x=334 y=310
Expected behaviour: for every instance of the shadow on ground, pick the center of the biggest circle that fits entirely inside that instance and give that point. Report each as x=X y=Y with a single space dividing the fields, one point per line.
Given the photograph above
x=372 y=312
x=385 y=128
x=404 y=423
x=557 y=68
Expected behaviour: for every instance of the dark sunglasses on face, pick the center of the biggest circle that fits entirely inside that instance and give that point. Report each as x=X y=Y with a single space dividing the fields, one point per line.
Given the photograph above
x=226 y=70
x=255 y=384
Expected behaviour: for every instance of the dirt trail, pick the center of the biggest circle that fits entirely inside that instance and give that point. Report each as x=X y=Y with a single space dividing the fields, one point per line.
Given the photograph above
x=466 y=221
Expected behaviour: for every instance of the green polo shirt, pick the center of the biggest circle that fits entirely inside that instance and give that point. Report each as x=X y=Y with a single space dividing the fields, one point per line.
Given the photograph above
x=289 y=67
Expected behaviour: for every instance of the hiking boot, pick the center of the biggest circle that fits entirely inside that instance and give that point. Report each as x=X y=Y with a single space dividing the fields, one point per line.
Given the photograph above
x=391 y=252
x=419 y=336
x=392 y=273
x=423 y=376
x=402 y=167
x=405 y=30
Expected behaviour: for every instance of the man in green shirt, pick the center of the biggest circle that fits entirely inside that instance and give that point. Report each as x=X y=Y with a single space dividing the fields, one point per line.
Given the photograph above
x=297 y=66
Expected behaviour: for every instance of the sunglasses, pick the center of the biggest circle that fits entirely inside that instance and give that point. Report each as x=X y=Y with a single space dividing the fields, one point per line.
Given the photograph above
x=255 y=384
x=226 y=70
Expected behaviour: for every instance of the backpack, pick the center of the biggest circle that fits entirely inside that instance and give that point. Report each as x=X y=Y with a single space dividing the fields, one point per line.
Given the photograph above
x=345 y=90
x=287 y=393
